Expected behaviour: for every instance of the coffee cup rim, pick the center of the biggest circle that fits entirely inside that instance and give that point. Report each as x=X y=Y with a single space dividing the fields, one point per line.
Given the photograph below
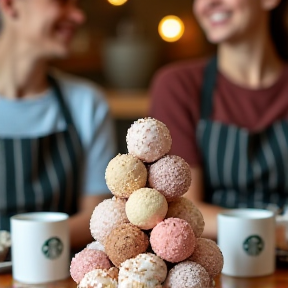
x=40 y=217
x=247 y=213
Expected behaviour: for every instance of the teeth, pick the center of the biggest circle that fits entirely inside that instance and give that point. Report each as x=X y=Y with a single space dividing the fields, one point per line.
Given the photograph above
x=217 y=17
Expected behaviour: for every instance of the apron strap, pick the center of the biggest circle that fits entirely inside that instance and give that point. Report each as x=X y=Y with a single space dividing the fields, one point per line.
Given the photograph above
x=209 y=82
x=59 y=96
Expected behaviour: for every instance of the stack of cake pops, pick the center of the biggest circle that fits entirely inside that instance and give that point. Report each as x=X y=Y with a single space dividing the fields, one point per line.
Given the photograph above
x=148 y=235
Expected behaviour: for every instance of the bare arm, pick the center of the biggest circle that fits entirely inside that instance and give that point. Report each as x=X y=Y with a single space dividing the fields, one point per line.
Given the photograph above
x=196 y=195
x=79 y=224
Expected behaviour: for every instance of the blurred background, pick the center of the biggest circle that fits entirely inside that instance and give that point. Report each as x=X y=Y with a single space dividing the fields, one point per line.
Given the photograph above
x=124 y=42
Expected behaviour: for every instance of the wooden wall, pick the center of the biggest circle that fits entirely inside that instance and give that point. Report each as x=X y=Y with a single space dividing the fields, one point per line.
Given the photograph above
x=103 y=20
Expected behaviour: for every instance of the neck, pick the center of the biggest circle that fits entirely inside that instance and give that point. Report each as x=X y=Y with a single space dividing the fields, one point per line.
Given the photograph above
x=253 y=63
x=21 y=74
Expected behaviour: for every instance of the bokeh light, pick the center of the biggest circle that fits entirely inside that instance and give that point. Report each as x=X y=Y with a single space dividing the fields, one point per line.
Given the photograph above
x=171 y=28
x=117 y=2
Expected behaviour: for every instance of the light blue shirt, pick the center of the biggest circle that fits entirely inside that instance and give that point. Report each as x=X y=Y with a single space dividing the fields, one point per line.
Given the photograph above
x=39 y=116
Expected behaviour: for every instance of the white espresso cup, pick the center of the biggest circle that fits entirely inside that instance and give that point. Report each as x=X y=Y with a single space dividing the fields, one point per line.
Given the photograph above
x=246 y=238
x=40 y=247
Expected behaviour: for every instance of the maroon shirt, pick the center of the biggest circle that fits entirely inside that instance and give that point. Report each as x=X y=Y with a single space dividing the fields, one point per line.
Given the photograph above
x=176 y=100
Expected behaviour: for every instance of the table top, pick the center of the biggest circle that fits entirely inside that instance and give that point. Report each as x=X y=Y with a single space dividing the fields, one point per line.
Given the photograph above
x=278 y=280
x=6 y=281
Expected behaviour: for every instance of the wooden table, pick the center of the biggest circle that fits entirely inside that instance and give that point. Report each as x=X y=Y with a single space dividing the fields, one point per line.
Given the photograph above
x=278 y=280
x=6 y=281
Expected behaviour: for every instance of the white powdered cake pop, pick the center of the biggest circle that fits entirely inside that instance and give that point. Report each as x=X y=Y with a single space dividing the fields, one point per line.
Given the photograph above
x=100 y=278
x=145 y=269
x=148 y=139
x=106 y=216
x=95 y=245
x=5 y=244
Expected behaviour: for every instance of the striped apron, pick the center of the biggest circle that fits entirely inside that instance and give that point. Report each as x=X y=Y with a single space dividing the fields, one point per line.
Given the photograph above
x=41 y=174
x=241 y=169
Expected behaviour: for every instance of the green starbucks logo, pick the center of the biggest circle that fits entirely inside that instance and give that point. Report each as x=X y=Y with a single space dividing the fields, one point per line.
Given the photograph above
x=253 y=245
x=52 y=248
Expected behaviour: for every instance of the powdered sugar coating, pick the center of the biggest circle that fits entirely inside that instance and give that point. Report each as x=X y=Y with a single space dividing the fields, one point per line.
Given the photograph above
x=187 y=274
x=100 y=278
x=124 y=174
x=134 y=284
x=5 y=244
x=146 y=207
x=106 y=216
x=86 y=261
x=148 y=139
x=184 y=209
x=145 y=268
x=96 y=245
x=171 y=176
x=208 y=255
x=124 y=242
x=173 y=240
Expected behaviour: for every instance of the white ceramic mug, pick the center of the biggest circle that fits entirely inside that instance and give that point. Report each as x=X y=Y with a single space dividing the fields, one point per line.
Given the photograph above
x=246 y=238
x=282 y=240
x=40 y=247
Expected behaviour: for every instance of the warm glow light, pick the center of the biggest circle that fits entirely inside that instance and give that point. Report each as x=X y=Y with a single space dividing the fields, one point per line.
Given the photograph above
x=117 y=2
x=171 y=28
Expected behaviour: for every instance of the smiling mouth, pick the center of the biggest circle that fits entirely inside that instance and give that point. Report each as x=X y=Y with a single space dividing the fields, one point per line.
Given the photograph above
x=66 y=34
x=219 y=17
x=65 y=31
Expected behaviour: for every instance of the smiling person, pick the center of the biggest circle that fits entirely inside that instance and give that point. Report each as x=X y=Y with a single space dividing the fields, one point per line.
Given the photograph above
x=228 y=115
x=56 y=135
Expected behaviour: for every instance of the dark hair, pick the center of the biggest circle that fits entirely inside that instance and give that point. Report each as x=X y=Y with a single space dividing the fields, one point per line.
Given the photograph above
x=279 y=28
